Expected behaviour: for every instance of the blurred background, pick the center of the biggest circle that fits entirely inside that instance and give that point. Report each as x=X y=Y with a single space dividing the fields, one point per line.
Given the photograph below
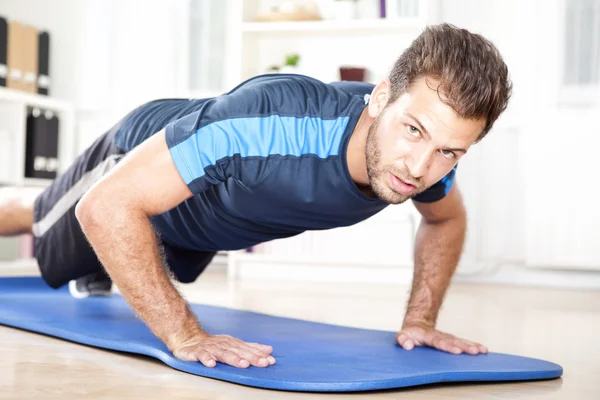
x=71 y=68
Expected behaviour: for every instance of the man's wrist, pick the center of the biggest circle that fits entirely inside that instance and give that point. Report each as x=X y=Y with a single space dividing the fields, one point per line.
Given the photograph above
x=189 y=329
x=418 y=319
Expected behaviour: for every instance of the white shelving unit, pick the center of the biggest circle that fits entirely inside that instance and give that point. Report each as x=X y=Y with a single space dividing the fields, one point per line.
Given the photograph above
x=13 y=117
x=14 y=106
x=323 y=45
x=370 y=26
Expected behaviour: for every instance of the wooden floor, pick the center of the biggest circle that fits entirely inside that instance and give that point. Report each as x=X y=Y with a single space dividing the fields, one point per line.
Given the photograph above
x=559 y=326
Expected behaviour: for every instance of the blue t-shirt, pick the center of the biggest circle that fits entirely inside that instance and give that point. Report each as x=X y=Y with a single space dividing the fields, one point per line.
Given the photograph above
x=265 y=161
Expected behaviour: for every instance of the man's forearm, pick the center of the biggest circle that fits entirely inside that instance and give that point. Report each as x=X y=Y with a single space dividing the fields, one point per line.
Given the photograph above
x=129 y=251
x=437 y=251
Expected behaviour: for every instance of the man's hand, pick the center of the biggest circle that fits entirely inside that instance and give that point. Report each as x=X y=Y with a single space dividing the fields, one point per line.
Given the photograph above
x=208 y=349
x=439 y=243
x=416 y=334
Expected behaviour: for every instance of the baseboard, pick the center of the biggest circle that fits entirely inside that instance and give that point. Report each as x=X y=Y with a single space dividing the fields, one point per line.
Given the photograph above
x=516 y=274
x=263 y=267
x=22 y=267
x=277 y=268
x=260 y=268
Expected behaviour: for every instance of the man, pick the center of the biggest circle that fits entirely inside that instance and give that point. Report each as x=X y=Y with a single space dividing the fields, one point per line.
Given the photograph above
x=177 y=180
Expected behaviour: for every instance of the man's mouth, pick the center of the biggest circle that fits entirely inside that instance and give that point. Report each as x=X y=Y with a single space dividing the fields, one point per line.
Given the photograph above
x=401 y=186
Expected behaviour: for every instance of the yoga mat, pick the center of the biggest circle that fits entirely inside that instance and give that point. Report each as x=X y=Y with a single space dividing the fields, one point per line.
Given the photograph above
x=311 y=356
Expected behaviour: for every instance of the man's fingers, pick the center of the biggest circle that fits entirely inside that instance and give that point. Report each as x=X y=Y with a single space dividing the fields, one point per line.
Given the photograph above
x=470 y=347
x=445 y=343
x=186 y=355
x=410 y=337
x=206 y=358
x=262 y=347
x=267 y=350
x=194 y=354
x=405 y=340
x=230 y=358
x=482 y=348
x=209 y=350
x=262 y=350
x=466 y=346
x=253 y=355
x=470 y=343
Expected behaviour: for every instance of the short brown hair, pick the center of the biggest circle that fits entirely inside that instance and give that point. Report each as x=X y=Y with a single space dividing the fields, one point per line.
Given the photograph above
x=473 y=77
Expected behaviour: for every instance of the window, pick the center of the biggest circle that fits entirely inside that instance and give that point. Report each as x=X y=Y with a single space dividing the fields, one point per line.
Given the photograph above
x=207 y=45
x=580 y=76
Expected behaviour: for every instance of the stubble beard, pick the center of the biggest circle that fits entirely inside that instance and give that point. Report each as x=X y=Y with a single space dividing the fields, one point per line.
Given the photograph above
x=378 y=175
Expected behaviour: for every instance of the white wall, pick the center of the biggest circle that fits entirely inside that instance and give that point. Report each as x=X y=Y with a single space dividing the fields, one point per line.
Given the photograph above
x=536 y=188
x=491 y=175
x=110 y=56
x=135 y=52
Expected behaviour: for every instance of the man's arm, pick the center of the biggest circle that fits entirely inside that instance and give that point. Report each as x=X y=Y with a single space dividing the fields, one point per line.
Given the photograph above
x=439 y=244
x=115 y=217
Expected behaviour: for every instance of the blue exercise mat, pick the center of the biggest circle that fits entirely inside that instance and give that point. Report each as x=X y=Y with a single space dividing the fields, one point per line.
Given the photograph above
x=310 y=356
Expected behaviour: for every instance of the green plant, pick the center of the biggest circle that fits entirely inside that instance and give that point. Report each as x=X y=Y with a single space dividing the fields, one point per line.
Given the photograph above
x=292 y=59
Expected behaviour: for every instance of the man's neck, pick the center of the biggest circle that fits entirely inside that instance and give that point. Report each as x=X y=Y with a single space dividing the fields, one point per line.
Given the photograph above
x=356 y=153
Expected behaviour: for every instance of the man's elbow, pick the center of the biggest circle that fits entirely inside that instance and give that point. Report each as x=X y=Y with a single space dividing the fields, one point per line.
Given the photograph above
x=457 y=214
x=89 y=209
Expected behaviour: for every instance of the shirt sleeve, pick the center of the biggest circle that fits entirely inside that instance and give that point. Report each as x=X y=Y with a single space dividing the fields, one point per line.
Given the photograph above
x=208 y=149
x=204 y=157
x=439 y=190
x=356 y=88
x=243 y=134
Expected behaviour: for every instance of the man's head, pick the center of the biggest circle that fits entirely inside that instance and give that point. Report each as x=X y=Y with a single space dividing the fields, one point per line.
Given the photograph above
x=443 y=95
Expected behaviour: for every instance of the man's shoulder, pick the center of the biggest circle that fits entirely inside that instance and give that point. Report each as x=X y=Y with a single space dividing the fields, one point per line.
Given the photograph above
x=291 y=95
x=303 y=83
x=355 y=88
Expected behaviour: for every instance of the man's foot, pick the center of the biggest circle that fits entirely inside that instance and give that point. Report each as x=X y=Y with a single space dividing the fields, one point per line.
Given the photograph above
x=96 y=284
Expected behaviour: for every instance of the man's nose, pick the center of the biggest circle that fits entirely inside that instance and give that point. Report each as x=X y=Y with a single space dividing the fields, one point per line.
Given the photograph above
x=420 y=161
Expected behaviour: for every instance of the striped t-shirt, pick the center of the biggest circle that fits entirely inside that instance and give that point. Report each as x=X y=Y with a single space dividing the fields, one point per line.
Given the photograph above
x=265 y=161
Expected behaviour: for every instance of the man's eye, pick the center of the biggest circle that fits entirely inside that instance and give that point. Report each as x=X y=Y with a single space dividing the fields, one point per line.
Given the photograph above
x=413 y=131
x=448 y=153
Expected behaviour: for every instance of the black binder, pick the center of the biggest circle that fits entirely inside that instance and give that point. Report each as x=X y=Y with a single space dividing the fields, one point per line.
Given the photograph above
x=41 y=150
x=43 y=63
x=3 y=51
x=51 y=151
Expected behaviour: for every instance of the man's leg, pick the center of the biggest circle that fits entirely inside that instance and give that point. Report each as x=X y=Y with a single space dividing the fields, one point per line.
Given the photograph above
x=16 y=209
x=186 y=265
x=60 y=246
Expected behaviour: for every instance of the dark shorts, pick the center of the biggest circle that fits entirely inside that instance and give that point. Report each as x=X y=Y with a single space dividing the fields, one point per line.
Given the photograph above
x=60 y=247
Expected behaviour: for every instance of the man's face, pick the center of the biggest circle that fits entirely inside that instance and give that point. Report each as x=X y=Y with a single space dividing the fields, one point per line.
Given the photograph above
x=414 y=141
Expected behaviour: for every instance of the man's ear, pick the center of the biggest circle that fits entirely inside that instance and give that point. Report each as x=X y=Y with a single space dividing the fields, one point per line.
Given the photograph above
x=379 y=98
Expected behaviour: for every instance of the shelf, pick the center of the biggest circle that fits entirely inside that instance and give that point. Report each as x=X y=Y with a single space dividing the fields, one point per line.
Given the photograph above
x=34 y=100
x=367 y=26
x=330 y=260
x=37 y=182
x=20 y=267
x=31 y=182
